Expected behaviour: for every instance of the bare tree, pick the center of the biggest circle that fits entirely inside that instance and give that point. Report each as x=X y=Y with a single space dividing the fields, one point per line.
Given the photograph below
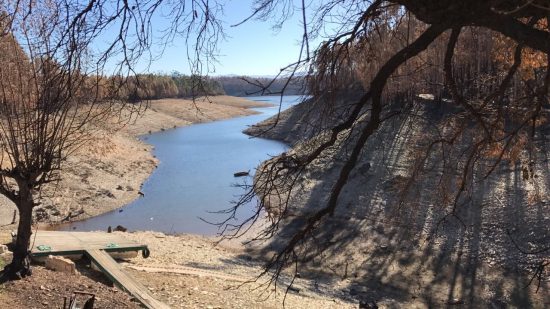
x=504 y=109
x=49 y=101
x=398 y=50
x=53 y=88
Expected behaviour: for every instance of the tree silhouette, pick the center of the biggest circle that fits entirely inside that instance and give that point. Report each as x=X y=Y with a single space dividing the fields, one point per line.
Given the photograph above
x=484 y=63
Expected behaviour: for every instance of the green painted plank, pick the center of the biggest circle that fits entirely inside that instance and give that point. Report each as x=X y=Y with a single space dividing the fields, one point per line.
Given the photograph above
x=112 y=270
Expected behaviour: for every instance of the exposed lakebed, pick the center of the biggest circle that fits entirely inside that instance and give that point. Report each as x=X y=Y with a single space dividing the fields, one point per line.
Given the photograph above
x=194 y=178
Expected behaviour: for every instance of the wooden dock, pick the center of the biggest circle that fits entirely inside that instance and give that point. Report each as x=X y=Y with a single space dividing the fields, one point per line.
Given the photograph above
x=96 y=246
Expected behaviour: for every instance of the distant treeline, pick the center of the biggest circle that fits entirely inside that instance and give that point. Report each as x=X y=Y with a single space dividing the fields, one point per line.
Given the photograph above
x=246 y=86
x=155 y=86
x=162 y=86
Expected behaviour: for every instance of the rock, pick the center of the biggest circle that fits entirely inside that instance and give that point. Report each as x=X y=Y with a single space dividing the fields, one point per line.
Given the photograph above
x=7 y=256
x=368 y=304
x=3 y=249
x=455 y=301
x=120 y=228
x=119 y=187
x=61 y=264
x=364 y=169
x=105 y=192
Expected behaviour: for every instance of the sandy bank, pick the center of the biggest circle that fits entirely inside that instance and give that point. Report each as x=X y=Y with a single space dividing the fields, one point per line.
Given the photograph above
x=108 y=172
x=185 y=271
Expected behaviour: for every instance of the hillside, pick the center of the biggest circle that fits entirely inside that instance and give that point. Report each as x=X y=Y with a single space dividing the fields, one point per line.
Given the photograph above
x=241 y=86
x=390 y=236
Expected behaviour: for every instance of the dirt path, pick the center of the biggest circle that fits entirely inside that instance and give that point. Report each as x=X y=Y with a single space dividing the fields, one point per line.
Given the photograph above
x=189 y=271
x=183 y=270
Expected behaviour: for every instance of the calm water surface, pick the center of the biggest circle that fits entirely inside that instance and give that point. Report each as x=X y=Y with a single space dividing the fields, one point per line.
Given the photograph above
x=195 y=175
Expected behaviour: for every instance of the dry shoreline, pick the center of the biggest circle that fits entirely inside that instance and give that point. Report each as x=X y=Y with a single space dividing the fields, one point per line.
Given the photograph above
x=107 y=173
x=184 y=271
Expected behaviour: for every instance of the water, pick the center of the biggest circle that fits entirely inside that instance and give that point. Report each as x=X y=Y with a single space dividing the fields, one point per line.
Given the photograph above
x=195 y=176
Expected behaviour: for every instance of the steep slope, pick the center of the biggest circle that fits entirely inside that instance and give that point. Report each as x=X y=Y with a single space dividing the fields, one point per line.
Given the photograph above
x=393 y=236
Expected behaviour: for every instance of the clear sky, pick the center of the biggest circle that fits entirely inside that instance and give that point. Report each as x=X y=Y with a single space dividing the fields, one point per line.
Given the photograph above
x=252 y=48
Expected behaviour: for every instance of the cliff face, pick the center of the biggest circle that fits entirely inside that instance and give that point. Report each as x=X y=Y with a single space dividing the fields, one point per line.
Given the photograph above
x=395 y=205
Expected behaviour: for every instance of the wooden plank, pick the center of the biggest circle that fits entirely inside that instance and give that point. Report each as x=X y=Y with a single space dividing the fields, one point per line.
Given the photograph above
x=96 y=245
x=77 y=242
x=111 y=268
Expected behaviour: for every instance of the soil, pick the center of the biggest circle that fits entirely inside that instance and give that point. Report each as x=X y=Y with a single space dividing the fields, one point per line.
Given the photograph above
x=184 y=271
x=48 y=289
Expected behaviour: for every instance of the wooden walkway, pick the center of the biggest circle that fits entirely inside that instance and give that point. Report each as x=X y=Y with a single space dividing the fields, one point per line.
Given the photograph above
x=95 y=245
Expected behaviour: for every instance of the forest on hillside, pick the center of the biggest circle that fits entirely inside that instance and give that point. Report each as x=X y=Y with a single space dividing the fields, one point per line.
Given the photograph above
x=176 y=85
x=159 y=86
x=241 y=86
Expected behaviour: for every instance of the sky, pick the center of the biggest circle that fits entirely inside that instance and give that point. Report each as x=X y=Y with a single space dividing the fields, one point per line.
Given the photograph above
x=252 y=48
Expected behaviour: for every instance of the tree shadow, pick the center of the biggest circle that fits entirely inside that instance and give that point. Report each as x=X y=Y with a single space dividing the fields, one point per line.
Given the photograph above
x=385 y=247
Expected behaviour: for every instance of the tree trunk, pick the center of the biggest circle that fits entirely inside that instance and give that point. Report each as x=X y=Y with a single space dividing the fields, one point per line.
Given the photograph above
x=19 y=266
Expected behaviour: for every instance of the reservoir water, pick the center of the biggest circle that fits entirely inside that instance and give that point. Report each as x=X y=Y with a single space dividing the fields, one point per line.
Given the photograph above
x=195 y=175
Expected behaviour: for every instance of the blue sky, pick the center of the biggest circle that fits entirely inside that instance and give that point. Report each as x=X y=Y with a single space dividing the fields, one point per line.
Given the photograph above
x=253 y=48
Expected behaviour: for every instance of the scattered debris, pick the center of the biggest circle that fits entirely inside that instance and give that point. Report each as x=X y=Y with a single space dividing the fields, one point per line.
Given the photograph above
x=72 y=215
x=71 y=303
x=106 y=193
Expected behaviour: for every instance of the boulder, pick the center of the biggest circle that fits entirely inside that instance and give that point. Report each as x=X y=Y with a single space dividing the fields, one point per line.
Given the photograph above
x=61 y=264
x=3 y=249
